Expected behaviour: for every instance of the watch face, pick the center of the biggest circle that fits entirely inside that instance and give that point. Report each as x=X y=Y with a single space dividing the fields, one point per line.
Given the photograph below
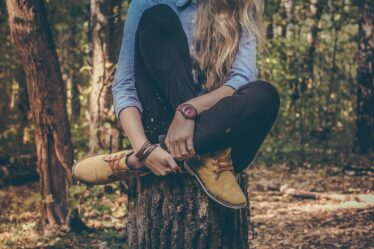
x=189 y=111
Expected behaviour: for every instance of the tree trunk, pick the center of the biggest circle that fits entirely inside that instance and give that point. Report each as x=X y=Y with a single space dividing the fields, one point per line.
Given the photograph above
x=72 y=59
x=271 y=8
x=315 y=12
x=174 y=213
x=35 y=45
x=365 y=79
x=103 y=132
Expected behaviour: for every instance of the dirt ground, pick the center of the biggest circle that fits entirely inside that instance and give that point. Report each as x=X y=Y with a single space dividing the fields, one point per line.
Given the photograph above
x=282 y=221
x=279 y=220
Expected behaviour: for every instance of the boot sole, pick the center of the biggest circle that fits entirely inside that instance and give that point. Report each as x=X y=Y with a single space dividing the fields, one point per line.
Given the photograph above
x=211 y=195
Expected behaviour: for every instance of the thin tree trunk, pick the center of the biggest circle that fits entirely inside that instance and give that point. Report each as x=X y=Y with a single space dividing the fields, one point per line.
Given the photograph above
x=35 y=45
x=174 y=213
x=105 y=40
x=73 y=74
x=315 y=12
x=23 y=104
x=365 y=79
x=271 y=8
x=115 y=29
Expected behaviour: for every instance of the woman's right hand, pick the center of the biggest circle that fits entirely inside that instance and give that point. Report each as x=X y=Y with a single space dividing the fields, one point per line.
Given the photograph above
x=160 y=162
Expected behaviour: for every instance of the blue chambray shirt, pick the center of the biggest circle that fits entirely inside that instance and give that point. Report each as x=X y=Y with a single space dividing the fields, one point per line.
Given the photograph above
x=123 y=88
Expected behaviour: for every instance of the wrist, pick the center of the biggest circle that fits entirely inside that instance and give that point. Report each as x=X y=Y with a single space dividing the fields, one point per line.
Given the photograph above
x=138 y=144
x=145 y=151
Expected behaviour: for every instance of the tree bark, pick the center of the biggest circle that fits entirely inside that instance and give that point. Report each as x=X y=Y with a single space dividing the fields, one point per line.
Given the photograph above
x=315 y=12
x=34 y=41
x=174 y=213
x=271 y=8
x=365 y=79
x=103 y=130
x=72 y=59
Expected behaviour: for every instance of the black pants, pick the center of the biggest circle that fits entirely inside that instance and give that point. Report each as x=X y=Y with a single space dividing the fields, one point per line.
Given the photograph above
x=163 y=76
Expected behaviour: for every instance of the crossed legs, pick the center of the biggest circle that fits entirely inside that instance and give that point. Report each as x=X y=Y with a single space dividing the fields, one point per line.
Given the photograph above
x=163 y=78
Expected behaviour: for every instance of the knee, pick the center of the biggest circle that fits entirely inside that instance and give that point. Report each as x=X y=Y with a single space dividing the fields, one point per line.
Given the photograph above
x=158 y=18
x=263 y=93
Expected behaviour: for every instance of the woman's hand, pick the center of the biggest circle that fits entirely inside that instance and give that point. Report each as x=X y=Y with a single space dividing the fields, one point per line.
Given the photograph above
x=179 y=138
x=160 y=162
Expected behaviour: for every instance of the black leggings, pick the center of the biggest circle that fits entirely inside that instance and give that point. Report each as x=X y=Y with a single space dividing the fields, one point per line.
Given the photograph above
x=163 y=79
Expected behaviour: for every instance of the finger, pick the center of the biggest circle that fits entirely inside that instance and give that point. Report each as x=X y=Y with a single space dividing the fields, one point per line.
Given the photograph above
x=183 y=149
x=165 y=170
x=177 y=151
x=190 y=147
x=154 y=170
x=171 y=149
x=173 y=164
x=167 y=143
x=152 y=166
x=163 y=167
x=158 y=169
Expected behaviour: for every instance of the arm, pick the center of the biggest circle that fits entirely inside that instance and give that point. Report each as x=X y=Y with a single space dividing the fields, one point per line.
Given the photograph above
x=180 y=133
x=133 y=127
x=160 y=162
x=204 y=102
x=243 y=71
x=126 y=102
x=123 y=86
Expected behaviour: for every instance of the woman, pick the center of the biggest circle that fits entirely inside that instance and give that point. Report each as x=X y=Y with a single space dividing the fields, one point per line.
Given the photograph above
x=187 y=70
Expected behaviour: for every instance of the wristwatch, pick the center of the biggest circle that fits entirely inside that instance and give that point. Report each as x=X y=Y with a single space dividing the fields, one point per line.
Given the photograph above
x=188 y=111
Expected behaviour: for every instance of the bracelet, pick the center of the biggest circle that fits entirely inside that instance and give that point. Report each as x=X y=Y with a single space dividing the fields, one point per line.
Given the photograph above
x=147 y=152
x=142 y=149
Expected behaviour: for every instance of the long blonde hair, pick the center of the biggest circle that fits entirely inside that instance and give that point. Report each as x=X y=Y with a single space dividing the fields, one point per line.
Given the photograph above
x=217 y=33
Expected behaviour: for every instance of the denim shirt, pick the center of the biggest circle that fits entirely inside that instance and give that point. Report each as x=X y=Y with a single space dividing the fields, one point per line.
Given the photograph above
x=123 y=88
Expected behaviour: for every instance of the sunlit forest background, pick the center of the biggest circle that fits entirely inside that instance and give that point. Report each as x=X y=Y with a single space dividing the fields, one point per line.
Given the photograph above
x=320 y=58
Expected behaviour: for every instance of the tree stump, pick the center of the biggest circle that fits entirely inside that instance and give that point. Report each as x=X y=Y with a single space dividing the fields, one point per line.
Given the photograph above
x=173 y=212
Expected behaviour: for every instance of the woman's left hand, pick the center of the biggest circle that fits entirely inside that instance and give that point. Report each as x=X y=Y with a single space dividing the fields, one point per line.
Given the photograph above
x=179 y=139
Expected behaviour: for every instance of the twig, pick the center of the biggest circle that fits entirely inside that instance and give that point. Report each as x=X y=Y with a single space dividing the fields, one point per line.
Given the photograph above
x=286 y=191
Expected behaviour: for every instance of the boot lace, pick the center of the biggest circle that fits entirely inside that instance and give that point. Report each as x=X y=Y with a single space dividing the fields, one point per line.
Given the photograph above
x=114 y=159
x=222 y=165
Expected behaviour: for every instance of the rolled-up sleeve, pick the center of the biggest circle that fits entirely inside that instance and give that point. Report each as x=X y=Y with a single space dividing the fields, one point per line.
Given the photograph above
x=123 y=85
x=244 y=69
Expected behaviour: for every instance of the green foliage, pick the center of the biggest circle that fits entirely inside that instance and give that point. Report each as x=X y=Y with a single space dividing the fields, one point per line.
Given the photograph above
x=98 y=202
x=316 y=120
x=317 y=111
x=20 y=214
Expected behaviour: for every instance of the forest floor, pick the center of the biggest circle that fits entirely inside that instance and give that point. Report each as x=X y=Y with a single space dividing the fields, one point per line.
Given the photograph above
x=281 y=220
x=282 y=215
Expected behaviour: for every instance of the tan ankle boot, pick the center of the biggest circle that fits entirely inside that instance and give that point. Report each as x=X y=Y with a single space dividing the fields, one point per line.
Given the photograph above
x=104 y=169
x=215 y=175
